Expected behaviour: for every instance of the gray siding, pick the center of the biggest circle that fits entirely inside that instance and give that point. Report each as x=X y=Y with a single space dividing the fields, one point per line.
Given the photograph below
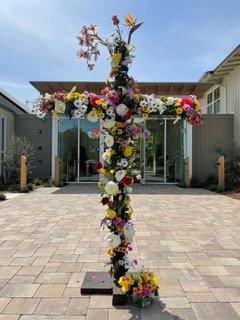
x=9 y=123
x=216 y=130
x=39 y=133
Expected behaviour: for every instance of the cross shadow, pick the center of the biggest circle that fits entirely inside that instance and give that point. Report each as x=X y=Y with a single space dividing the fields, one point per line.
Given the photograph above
x=91 y=188
x=155 y=312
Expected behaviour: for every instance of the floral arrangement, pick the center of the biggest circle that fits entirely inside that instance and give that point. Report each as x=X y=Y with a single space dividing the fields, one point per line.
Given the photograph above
x=117 y=106
x=142 y=285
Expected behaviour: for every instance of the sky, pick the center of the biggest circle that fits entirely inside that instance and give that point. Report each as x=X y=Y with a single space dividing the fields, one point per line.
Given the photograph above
x=178 y=41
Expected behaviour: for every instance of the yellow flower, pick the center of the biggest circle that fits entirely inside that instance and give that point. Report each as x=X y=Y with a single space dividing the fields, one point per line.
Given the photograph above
x=144 y=115
x=111 y=214
x=73 y=96
x=119 y=131
x=100 y=184
x=154 y=281
x=111 y=252
x=197 y=105
x=104 y=105
x=102 y=171
x=145 y=109
x=177 y=103
x=136 y=98
x=130 y=20
x=116 y=58
x=127 y=151
x=179 y=110
x=101 y=115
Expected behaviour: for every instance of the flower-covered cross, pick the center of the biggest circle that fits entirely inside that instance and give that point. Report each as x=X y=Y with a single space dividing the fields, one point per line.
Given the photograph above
x=117 y=106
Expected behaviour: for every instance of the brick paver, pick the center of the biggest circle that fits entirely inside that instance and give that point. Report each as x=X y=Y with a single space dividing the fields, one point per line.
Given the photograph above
x=51 y=237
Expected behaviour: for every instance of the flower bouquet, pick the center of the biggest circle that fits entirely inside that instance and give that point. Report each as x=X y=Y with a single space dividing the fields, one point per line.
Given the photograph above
x=140 y=288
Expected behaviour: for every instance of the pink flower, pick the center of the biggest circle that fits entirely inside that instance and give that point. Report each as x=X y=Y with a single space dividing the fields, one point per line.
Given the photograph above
x=105 y=90
x=186 y=101
x=58 y=96
x=113 y=98
x=95 y=133
x=115 y=19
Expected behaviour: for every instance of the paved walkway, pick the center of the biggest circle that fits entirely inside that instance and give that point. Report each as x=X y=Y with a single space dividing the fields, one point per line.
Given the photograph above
x=49 y=238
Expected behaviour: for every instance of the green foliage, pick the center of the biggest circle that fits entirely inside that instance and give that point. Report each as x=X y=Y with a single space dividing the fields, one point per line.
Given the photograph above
x=18 y=146
x=220 y=189
x=30 y=186
x=2 y=196
x=195 y=183
x=231 y=152
x=48 y=184
x=213 y=187
x=212 y=179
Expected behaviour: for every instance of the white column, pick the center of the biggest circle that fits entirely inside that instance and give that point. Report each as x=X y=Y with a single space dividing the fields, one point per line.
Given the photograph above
x=188 y=145
x=54 y=143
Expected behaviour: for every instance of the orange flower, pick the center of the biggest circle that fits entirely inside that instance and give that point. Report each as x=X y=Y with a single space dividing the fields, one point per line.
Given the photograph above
x=130 y=20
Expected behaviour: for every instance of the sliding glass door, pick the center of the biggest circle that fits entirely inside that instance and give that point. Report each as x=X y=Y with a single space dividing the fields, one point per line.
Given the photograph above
x=163 y=151
x=78 y=149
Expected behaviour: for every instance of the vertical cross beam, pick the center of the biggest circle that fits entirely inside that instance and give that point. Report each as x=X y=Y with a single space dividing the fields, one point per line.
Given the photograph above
x=57 y=175
x=23 y=173
x=221 y=172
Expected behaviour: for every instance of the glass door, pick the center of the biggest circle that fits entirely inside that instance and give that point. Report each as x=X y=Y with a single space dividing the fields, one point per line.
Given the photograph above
x=89 y=142
x=163 y=151
x=78 y=149
x=154 y=151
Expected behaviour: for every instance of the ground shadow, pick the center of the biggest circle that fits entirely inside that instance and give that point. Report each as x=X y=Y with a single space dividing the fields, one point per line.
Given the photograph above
x=91 y=188
x=155 y=312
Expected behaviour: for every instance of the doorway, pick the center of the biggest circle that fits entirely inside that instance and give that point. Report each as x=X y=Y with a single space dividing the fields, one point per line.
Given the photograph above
x=78 y=149
x=162 y=152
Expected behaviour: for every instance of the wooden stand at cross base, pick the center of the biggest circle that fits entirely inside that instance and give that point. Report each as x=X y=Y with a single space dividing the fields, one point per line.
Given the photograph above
x=187 y=172
x=23 y=173
x=221 y=172
x=57 y=175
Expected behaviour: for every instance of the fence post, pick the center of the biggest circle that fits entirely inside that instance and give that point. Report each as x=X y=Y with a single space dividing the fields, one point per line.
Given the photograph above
x=57 y=176
x=187 y=172
x=221 y=172
x=23 y=173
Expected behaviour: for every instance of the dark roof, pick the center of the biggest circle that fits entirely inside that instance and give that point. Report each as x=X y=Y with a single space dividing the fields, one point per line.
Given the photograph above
x=158 y=88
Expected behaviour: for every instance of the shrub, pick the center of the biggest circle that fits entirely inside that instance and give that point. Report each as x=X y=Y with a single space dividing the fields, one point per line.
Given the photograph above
x=211 y=180
x=213 y=187
x=2 y=196
x=48 y=184
x=26 y=190
x=231 y=152
x=220 y=189
x=37 y=182
x=195 y=183
x=18 y=146
x=30 y=186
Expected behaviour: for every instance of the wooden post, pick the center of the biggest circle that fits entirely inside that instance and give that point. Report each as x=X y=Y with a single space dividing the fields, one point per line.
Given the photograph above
x=221 y=172
x=187 y=172
x=57 y=176
x=23 y=173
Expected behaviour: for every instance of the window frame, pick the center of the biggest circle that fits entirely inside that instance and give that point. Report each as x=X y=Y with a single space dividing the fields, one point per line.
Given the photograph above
x=211 y=105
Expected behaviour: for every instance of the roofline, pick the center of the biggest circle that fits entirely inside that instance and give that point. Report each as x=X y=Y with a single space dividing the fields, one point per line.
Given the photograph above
x=13 y=100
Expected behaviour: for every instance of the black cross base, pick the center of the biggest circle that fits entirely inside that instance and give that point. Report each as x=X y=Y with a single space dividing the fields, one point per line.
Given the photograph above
x=101 y=283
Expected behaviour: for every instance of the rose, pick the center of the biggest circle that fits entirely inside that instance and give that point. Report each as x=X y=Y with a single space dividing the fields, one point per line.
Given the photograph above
x=120 y=174
x=95 y=100
x=111 y=188
x=105 y=201
x=109 y=141
x=122 y=110
x=115 y=19
x=127 y=181
x=60 y=106
x=186 y=101
x=114 y=240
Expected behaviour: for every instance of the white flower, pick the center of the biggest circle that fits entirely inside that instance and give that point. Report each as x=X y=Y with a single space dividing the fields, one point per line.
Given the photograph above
x=110 y=112
x=122 y=110
x=129 y=231
x=78 y=114
x=60 y=106
x=109 y=140
x=108 y=123
x=138 y=177
x=120 y=174
x=123 y=163
x=170 y=101
x=111 y=188
x=78 y=103
x=92 y=117
x=114 y=240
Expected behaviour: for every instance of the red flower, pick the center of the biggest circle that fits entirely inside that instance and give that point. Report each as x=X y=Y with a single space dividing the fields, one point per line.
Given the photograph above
x=105 y=90
x=127 y=180
x=105 y=200
x=98 y=165
x=95 y=100
x=187 y=101
x=115 y=19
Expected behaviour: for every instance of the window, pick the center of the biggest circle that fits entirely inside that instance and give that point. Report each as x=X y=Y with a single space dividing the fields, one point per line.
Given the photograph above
x=2 y=142
x=213 y=101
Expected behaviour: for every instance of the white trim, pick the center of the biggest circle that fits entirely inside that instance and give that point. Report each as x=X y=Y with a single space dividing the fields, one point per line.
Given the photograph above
x=187 y=144
x=165 y=152
x=54 y=143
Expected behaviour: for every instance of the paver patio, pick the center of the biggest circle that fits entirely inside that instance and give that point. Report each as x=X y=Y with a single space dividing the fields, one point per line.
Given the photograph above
x=51 y=237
